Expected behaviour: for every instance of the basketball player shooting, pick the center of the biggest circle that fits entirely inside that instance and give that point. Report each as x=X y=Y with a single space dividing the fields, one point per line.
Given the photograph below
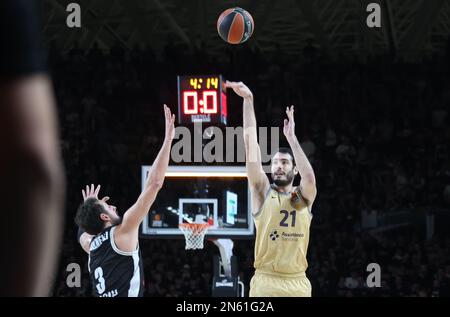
x=115 y=262
x=281 y=212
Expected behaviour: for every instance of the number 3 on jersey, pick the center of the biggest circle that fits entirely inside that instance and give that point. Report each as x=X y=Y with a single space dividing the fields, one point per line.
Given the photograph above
x=98 y=273
x=284 y=221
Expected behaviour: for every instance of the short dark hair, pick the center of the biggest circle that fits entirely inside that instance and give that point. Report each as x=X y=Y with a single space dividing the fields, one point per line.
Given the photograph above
x=88 y=216
x=286 y=150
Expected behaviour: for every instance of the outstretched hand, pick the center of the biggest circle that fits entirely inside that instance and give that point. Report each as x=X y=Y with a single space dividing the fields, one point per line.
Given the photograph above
x=289 y=123
x=170 y=123
x=92 y=192
x=239 y=88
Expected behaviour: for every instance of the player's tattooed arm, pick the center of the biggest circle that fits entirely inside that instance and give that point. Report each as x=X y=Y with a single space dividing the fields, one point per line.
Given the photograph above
x=307 y=187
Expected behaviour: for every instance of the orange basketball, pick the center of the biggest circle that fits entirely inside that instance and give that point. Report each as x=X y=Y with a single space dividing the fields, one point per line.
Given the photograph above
x=235 y=25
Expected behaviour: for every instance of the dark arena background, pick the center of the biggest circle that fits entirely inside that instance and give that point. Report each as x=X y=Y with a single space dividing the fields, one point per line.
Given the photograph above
x=371 y=111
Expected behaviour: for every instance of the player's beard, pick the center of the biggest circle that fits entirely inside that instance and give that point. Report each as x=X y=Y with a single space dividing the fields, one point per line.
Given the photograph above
x=116 y=221
x=284 y=182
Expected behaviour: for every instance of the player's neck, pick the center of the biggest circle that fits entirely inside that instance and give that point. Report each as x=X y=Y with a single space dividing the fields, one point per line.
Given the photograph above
x=283 y=189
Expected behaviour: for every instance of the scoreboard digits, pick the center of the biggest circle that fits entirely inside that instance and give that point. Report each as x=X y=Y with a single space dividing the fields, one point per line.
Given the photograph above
x=202 y=99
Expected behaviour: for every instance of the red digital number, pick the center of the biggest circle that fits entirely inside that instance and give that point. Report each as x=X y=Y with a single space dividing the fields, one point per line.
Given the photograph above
x=190 y=102
x=210 y=101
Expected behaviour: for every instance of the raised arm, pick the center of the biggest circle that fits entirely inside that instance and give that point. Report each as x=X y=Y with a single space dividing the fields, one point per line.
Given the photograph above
x=134 y=216
x=307 y=186
x=258 y=181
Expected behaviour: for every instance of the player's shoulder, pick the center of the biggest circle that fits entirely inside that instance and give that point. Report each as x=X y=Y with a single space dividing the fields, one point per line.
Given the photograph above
x=298 y=199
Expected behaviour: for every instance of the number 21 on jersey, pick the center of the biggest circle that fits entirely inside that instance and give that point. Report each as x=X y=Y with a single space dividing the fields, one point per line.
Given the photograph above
x=288 y=218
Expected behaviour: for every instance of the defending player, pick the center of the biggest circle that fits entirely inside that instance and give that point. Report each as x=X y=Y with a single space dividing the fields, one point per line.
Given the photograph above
x=115 y=262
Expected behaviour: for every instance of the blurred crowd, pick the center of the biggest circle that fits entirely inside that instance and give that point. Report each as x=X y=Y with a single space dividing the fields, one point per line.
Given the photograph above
x=376 y=130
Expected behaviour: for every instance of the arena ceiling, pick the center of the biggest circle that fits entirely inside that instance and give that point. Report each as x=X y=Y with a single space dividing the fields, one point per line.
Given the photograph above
x=409 y=27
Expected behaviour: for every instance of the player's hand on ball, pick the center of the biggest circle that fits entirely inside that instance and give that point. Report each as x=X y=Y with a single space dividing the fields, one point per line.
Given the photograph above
x=289 y=123
x=239 y=88
x=92 y=192
x=170 y=123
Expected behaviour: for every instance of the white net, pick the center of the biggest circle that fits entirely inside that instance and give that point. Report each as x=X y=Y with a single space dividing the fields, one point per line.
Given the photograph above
x=194 y=234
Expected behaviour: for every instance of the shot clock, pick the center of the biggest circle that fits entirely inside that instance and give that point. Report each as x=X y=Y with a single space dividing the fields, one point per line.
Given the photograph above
x=202 y=99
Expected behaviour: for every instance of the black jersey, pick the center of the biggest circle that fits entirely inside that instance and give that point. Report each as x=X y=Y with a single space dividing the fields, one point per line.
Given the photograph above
x=114 y=272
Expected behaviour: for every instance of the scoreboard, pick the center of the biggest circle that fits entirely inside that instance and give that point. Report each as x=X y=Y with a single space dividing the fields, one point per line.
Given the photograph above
x=202 y=99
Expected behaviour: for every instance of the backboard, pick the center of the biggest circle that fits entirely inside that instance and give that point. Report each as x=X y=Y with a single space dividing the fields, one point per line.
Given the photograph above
x=218 y=195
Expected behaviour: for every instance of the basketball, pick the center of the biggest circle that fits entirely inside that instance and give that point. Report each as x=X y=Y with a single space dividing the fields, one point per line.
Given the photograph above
x=235 y=25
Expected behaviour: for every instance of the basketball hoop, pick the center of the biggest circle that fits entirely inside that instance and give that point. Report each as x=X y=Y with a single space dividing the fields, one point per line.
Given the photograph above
x=194 y=234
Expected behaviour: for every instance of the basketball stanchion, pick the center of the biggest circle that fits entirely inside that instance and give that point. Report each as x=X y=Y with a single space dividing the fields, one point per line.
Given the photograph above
x=226 y=282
